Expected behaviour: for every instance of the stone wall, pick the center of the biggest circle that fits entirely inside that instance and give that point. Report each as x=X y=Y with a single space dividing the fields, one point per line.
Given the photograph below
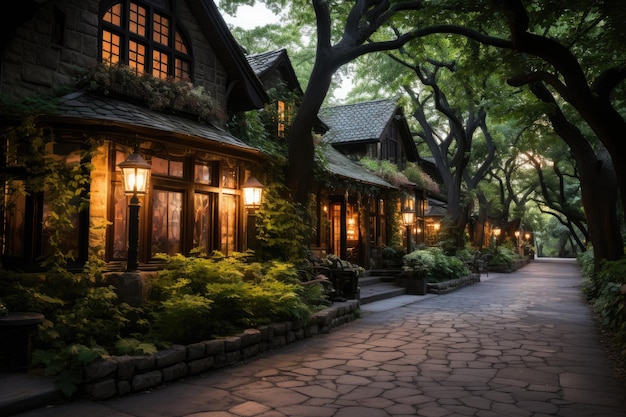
x=44 y=54
x=123 y=375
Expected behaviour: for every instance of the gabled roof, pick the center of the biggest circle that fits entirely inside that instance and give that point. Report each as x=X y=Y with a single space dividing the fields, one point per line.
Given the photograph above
x=81 y=110
x=265 y=63
x=341 y=165
x=360 y=122
x=246 y=90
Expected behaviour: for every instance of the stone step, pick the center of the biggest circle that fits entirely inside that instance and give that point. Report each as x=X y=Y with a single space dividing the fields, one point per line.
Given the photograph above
x=379 y=291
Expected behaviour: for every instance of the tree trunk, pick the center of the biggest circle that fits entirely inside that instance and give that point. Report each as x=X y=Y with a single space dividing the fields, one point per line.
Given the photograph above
x=598 y=184
x=300 y=139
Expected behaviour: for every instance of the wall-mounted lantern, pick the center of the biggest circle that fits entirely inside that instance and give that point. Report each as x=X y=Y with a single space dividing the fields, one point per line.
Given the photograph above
x=252 y=193
x=136 y=172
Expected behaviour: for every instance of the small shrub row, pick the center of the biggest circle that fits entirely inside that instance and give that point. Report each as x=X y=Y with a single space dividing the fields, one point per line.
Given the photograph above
x=435 y=265
x=606 y=291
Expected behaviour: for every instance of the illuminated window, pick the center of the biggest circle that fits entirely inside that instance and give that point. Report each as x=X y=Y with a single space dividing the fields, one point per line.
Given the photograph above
x=167 y=167
x=166 y=222
x=281 y=108
x=136 y=34
x=228 y=223
x=160 y=29
x=159 y=64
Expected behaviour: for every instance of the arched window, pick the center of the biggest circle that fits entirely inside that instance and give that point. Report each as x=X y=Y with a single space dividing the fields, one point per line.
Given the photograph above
x=144 y=37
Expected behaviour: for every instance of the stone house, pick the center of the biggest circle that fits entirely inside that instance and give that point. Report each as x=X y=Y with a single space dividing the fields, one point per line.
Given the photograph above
x=194 y=200
x=350 y=218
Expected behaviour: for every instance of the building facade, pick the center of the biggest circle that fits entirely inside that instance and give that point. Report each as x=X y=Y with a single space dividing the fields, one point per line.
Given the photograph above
x=81 y=55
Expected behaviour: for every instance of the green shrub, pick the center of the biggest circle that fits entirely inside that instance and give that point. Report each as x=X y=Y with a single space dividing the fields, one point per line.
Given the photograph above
x=198 y=299
x=502 y=256
x=435 y=264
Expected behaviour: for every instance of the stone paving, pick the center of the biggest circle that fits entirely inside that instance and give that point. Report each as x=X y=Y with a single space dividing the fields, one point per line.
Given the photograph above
x=519 y=344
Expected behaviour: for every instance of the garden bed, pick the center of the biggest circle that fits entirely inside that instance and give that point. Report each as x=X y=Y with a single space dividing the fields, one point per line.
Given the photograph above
x=450 y=285
x=123 y=375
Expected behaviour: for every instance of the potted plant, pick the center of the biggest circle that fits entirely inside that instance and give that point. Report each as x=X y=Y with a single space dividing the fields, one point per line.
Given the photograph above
x=417 y=265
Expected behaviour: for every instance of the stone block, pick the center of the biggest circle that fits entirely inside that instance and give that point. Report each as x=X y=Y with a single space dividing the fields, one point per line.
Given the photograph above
x=141 y=382
x=200 y=365
x=279 y=329
x=250 y=337
x=99 y=369
x=214 y=347
x=232 y=344
x=168 y=357
x=233 y=357
x=266 y=333
x=196 y=351
x=250 y=351
x=175 y=371
x=278 y=341
x=123 y=388
x=101 y=390
x=144 y=363
x=125 y=366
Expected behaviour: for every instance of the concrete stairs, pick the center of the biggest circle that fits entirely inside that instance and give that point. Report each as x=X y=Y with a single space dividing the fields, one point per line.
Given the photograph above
x=378 y=285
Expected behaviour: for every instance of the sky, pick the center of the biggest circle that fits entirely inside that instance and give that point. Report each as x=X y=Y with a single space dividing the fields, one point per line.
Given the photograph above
x=249 y=17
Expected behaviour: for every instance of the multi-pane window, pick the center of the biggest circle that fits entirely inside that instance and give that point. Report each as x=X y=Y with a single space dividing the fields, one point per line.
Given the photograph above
x=146 y=39
x=281 y=108
x=166 y=221
x=192 y=206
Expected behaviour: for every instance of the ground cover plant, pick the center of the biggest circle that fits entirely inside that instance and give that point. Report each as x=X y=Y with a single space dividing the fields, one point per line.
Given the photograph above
x=433 y=264
x=606 y=291
x=192 y=299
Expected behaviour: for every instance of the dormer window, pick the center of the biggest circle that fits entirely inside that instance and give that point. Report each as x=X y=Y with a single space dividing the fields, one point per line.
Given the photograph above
x=144 y=38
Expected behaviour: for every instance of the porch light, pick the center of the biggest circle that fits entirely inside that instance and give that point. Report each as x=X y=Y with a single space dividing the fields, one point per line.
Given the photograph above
x=135 y=171
x=408 y=216
x=527 y=236
x=497 y=231
x=436 y=226
x=252 y=193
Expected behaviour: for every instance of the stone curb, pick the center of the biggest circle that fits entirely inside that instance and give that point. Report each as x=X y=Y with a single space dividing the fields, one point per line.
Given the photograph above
x=123 y=375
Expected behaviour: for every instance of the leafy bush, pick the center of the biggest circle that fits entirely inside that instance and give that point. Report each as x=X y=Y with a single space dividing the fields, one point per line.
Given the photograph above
x=502 y=256
x=435 y=264
x=604 y=289
x=197 y=299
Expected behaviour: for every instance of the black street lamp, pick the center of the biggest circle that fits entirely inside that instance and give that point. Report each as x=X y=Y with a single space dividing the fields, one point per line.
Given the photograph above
x=408 y=218
x=252 y=194
x=135 y=171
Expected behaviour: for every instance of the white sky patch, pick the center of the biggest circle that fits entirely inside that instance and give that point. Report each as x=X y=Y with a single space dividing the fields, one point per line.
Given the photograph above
x=250 y=17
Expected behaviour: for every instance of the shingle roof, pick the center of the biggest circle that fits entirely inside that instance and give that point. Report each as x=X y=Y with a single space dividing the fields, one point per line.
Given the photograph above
x=102 y=109
x=341 y=165
x=359 y=122
x=263 y=62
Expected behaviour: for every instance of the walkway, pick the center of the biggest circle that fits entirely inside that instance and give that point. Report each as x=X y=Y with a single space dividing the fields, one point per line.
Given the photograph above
x=520 y=344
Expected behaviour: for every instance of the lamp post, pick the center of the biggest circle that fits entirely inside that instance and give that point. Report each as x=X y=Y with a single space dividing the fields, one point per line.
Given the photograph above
x=496 y=233
x=408 y=217
x=252 y=194
x=135 y=171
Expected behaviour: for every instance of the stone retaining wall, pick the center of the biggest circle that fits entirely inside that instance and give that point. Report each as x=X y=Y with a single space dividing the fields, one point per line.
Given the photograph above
x=123 y=375
x=452 y=284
